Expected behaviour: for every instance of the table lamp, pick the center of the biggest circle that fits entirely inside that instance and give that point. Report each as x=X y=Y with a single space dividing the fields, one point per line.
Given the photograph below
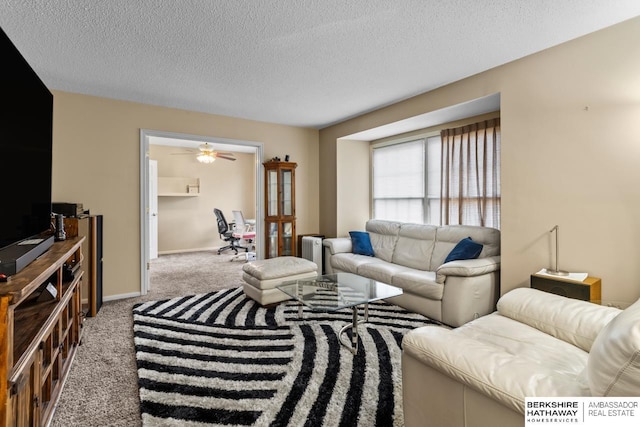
x=555 y=271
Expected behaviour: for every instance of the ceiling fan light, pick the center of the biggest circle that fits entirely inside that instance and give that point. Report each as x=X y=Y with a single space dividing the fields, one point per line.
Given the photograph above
x=205 y=158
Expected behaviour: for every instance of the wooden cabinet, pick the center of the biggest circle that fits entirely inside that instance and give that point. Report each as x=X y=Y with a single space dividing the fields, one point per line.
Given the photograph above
x=280 y=212
x=40 y=332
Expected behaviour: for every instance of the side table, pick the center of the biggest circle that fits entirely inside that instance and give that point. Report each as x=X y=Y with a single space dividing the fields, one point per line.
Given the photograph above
x=588 y=290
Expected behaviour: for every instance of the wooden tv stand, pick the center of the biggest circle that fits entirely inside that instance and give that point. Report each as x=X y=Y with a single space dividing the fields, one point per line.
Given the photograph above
x=39 y=334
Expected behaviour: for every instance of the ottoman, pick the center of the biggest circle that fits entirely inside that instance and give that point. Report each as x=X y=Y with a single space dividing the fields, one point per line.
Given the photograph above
x=262 y=277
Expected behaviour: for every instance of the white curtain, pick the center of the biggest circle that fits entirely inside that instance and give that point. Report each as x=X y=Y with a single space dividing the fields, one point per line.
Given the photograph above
x=470 y=188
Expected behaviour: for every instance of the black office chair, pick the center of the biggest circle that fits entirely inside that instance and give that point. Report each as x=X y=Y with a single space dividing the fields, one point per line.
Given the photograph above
x=226 y=233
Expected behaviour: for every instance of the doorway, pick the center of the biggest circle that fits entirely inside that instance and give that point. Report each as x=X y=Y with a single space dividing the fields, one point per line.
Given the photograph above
x=151 y=137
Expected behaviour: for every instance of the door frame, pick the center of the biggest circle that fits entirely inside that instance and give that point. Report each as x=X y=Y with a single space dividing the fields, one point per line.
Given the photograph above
x=145 y=134
x=153 y=210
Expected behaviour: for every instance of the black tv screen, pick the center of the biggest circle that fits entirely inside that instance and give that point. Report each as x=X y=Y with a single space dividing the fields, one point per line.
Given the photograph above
x=26 y=124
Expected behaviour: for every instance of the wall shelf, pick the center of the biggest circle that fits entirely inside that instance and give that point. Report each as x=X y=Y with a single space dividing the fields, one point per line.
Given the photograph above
x=178 y=186
x=178 y=194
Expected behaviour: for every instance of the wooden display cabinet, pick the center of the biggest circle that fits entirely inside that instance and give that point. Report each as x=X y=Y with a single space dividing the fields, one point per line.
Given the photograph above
x=280 y=212
x=40 y=333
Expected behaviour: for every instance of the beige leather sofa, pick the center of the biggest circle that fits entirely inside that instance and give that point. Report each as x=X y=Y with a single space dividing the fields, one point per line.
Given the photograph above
x=411 y=256
x=535 y=345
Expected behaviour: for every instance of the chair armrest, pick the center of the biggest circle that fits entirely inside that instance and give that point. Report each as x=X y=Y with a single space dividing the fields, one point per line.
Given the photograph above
x=338 y=245
x=468 y=268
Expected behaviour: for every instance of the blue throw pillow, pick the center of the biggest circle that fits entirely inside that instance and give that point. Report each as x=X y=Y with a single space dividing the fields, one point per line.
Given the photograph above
x=465 y=249
x=361 y=243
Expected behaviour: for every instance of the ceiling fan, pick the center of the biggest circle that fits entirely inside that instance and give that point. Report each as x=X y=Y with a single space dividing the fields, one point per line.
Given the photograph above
x=206 y=154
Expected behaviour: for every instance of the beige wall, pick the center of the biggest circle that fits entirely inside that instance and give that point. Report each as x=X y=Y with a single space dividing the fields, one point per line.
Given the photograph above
x=353 y=175
x=569 y=157
x=187 y=223
x=96 y=161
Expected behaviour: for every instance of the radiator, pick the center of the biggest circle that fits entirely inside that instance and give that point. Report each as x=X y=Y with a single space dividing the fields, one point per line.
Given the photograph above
x=312 y=250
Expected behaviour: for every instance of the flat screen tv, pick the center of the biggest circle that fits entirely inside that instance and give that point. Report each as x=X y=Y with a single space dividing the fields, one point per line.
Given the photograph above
x=26 y=124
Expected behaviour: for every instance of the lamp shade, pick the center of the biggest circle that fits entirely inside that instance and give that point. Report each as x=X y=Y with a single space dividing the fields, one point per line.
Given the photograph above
x=205 y=158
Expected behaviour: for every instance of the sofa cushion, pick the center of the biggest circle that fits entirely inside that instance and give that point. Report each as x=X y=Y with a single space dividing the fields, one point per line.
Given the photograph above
x=349 y=262
x=613 y=368
x=464 y=249
x=381 y=271
x=415 y=246
x=384 y=235
x=419 y=282
x=571 y=320
x=448 y=236
x=361 y=243
x=502 y=358
x=275 y=268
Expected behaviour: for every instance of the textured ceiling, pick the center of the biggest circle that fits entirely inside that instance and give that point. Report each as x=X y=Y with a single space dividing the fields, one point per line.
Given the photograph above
x=297 y=62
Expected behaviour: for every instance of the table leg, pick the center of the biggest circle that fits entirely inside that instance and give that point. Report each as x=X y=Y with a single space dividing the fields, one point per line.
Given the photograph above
x=299 y=293
x=353 y=346
x=354 y=330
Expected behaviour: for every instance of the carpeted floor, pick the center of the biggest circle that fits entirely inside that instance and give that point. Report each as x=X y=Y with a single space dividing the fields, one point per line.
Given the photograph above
x=102 y=388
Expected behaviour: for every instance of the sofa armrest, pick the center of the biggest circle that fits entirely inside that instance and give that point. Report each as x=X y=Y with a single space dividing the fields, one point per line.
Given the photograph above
x=476 y=366
x=338 y=245
x=468 y=268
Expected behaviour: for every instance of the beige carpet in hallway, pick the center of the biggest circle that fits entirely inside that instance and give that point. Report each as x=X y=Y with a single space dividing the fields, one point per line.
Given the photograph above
x=102 y=389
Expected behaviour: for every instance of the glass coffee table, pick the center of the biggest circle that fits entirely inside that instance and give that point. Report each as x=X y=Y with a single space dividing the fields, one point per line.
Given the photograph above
x=338 y=291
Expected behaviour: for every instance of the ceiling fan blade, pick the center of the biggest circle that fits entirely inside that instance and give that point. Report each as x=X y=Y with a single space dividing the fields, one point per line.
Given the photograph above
x=224 y=154
x=225 y=157
x=174 y=154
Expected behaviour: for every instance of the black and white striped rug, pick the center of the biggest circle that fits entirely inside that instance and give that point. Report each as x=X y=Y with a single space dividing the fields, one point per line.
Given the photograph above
x=221 y=359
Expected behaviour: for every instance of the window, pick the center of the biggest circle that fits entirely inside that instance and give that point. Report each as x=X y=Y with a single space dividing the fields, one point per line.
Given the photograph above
x=406 y=181
x=410 y=183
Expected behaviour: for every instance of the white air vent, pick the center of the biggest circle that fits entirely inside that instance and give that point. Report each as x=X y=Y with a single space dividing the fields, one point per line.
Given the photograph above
x=312 y=250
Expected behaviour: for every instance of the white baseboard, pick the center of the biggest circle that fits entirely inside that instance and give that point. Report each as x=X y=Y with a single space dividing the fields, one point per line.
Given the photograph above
x=121 y=296
x=184 y=251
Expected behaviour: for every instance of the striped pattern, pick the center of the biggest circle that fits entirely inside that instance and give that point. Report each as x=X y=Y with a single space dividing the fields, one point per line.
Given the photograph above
x=220 y=359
